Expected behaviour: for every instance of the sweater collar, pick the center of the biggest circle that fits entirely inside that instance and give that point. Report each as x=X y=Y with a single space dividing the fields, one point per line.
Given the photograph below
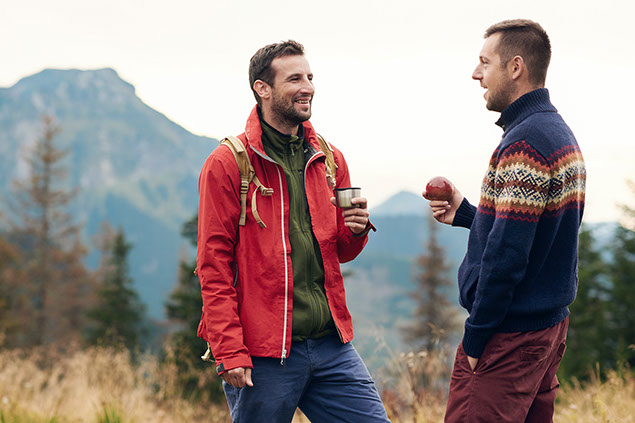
x=526 y=105
x=281 y=143
x=253 y=132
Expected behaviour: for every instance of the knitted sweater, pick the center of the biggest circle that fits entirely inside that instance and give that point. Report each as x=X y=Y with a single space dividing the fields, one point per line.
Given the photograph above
x=520 y=270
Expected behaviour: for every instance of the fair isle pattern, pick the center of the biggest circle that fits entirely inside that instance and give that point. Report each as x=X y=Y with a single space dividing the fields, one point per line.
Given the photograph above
x=568 y=180
x=520 y=184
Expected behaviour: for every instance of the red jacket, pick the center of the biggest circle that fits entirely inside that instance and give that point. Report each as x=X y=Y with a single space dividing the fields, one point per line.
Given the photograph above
x=245 y=271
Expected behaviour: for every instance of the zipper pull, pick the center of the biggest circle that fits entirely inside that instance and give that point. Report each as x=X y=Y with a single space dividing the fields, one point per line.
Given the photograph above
x=284 y=358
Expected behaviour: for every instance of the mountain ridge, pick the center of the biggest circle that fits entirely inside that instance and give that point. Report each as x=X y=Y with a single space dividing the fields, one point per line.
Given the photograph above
x=133 y=166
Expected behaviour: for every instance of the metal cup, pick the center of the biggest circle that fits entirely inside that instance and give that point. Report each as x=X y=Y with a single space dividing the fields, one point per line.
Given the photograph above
x=343 y=197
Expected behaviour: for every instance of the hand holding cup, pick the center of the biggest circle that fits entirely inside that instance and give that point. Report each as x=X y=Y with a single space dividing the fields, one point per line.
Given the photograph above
x=354 y=207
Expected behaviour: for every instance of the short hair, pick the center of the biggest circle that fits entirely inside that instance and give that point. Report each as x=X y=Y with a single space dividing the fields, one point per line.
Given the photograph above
x=260 y=63
x=527 y=39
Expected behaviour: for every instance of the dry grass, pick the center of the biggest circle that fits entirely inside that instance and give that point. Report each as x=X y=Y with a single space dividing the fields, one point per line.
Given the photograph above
x=608 y=401
x=94 y=385
x=103 y=386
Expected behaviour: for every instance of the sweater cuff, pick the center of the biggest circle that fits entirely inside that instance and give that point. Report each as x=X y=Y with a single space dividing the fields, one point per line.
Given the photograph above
x=474 y=342
x=464 y=214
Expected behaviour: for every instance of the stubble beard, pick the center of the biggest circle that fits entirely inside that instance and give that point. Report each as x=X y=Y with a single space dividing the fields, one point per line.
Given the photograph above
x=285 y=111
x=497 y=102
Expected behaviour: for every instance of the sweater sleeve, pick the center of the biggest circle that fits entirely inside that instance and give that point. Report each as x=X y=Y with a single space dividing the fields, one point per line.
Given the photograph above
x=517 y=197
x=464 y=214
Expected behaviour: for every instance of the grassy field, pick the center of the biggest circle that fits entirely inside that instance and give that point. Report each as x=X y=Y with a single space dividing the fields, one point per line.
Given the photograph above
x=103 y=386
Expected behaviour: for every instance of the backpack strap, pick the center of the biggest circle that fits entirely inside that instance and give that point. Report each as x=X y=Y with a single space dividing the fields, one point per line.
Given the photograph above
x=247 y=175
x=331 y=166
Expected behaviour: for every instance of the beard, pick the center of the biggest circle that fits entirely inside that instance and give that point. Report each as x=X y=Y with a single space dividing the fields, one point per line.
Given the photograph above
x=284 y=109
x=498 y=101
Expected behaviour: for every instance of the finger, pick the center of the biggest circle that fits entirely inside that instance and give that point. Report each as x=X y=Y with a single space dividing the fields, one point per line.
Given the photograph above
x=333 y=201
x=440 y=208
x=438 y=203
x=361 y=220
x=240 y=380
x=361 y=201
x=355 y=227
x=355 y=211
x=236 y=377
x=248 y=380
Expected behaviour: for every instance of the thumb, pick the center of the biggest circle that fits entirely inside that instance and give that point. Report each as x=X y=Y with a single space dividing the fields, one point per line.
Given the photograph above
x=333 y=201
x=248 y=377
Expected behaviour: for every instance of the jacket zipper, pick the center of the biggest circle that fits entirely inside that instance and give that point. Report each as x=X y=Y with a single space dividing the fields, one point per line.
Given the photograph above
x=283 y=355
x=317 y=154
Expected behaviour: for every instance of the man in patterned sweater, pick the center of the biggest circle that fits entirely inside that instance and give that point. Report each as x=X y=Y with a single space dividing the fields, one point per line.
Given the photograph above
x=519 y=274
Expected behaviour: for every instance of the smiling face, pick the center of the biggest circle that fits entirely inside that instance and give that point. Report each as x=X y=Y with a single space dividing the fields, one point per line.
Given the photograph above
x=494 y=76
x=289 y=101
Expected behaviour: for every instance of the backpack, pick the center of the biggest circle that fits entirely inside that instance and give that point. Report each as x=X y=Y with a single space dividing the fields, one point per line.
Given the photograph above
x=248 y=175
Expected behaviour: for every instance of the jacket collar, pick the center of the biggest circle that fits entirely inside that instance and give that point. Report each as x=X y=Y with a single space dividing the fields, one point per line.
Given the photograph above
x=526 y=105
x=253 y=132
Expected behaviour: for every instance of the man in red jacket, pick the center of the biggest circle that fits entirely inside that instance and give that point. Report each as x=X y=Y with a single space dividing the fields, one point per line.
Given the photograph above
x=274 y=306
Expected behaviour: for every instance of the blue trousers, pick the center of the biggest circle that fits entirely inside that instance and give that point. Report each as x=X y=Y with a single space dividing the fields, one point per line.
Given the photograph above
x=326 y=379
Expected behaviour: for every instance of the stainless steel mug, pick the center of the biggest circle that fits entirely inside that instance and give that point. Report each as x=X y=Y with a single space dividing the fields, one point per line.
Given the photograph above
x=343 y=197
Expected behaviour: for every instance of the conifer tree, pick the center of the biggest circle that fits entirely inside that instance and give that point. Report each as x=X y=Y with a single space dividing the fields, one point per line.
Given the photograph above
x=117 y=316
x=55 y=281
x=11 y=312
x=183 y=308
x=587 y=339
x=622 y=274
x=435 y=318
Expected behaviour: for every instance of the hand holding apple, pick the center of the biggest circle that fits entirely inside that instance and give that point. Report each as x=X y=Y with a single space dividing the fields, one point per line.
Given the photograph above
x=444 y=198
x=439 y=188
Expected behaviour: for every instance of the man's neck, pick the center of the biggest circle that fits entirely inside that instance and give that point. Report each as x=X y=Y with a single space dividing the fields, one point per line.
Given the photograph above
x=522 y=90
x=283 y=127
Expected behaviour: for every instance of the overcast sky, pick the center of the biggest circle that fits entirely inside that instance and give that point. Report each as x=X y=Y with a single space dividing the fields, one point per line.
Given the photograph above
x=393 y=78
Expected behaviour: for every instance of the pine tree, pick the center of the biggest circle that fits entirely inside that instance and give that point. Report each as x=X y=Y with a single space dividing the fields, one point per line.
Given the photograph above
x=11 y=304
x=587 y=340
x=55 y=280
x=117 y=316
x=435 y=318
x=622 y=273
x=183 y=308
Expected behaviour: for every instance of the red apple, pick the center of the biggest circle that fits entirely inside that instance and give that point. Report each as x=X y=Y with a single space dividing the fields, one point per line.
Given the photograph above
x=439 y=188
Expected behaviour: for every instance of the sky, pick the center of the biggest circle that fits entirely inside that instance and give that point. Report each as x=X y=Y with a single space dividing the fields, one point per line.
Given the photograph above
x=393 y=78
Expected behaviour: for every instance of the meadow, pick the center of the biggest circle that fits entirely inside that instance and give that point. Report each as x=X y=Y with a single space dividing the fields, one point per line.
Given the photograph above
x=99 y=385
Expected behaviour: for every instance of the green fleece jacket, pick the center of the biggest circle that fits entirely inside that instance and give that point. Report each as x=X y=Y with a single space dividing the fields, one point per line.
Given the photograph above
x=311 y=314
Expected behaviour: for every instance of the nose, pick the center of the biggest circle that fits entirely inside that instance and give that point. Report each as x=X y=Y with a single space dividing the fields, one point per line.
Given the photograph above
x=307 y=86
x=477 y=75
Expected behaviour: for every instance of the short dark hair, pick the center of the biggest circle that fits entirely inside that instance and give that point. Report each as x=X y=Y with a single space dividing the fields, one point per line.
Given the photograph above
x=260 y=63
x=527 y=39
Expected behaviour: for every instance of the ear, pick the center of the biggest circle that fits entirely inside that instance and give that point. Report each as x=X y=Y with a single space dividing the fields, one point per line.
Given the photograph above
x=517 y=68
x=262 y=89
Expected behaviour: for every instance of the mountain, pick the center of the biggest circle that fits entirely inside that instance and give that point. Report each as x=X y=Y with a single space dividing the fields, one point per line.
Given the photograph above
x=133 y=166
x=403 y=203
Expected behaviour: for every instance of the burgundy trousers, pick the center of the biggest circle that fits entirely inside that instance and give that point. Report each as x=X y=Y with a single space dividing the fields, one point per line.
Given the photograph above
x=514 y=380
